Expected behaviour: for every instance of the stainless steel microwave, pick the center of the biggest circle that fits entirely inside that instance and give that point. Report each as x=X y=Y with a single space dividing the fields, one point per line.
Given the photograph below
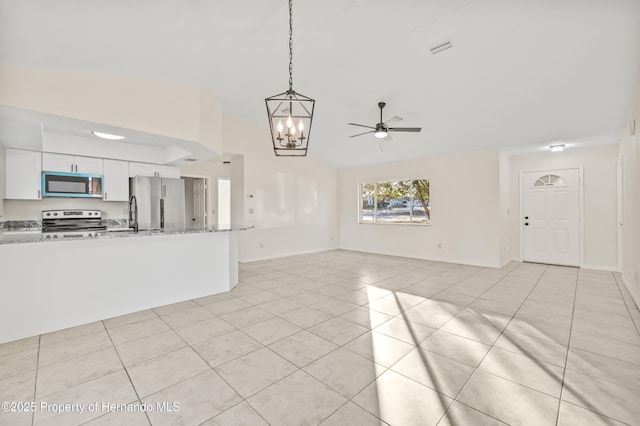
x=65 y=184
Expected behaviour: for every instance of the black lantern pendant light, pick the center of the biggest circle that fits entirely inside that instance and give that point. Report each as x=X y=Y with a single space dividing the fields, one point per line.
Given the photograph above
x=290 y=113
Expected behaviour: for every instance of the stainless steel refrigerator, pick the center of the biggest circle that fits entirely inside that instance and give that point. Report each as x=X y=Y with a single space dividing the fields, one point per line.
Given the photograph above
x=160 y=201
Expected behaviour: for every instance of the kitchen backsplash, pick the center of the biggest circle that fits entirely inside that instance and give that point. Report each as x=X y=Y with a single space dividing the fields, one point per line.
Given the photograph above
x=32 y=210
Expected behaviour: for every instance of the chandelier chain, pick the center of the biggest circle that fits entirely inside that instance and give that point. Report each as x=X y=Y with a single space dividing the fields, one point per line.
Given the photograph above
x=290 y=44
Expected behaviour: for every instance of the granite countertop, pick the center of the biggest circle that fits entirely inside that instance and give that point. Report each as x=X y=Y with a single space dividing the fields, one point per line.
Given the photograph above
x=31 y=235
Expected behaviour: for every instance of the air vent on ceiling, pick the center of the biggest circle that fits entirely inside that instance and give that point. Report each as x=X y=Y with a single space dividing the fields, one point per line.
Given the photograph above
x=440 y=46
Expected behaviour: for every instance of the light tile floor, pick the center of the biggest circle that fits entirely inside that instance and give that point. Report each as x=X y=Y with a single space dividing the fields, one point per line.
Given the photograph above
x=347 y=338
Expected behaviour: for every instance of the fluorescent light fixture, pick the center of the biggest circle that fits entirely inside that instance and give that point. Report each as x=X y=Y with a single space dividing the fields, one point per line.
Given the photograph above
x=556 y=148
x=107 y=135
x=440 y=46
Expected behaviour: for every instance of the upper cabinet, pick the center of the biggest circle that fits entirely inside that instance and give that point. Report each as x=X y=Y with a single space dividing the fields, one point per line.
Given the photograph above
x=153 y=170
x=116 y=180
x=23 y=170
x=168 y=172
x=70 y=163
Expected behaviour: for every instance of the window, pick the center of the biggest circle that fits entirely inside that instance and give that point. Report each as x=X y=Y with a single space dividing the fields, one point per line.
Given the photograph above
x=398 y=201
x=550 y=180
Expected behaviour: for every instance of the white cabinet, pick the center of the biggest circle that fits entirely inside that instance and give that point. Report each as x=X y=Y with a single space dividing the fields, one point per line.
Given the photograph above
x=116 y=180
x=153 y=170
x=23 y=171
x=70 y=163
x=142 y=169
x=89 y=165
x=168 y=172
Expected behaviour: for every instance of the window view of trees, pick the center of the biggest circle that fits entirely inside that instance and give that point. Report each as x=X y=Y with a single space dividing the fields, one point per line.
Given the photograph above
x=405 y=201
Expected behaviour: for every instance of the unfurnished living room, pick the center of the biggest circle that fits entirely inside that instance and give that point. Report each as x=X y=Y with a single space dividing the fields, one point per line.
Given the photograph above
x=288 y=212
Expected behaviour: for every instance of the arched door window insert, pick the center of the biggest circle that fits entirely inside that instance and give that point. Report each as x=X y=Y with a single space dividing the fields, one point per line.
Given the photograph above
x=550 y=180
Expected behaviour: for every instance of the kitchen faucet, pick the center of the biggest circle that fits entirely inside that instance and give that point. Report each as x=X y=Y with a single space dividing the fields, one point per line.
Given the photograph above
x=133 y=213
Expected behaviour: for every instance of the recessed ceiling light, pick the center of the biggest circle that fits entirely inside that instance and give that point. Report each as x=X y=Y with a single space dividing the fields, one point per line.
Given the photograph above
x=556 y=148
x=107 y=136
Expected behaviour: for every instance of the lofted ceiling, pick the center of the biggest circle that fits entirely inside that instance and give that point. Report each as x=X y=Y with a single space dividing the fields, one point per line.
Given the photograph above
x=521 y=74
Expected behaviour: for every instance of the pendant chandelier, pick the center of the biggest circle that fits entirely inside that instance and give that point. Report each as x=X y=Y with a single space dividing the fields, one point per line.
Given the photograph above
x=290 y=113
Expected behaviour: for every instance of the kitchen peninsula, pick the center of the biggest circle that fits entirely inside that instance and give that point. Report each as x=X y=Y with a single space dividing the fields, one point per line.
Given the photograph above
x=54 y=284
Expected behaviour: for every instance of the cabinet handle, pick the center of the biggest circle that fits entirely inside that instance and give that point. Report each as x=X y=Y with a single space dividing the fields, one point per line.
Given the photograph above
x=105 y=196
x=39 y=194
x=76 y=168
x=72 y=168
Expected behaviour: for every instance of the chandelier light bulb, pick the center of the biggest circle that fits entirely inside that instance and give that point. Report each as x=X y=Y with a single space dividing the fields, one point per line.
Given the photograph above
x=280 y=126
x=300 y=125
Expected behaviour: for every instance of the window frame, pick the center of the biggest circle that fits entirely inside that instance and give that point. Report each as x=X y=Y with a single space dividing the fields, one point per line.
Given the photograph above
x=374 y=220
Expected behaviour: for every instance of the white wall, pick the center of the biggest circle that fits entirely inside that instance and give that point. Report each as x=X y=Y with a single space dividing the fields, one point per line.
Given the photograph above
x=294 y=200
x=178 y=110
x=1 y=181
x=599 y=199
x=629 y=149
x=32 y=209
x=465 y=216
x=236 y=174
x=504 y=185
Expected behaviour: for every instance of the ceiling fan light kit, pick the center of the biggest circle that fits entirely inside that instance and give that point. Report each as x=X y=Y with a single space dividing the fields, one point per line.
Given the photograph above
x=381 y=130
x=290 y=113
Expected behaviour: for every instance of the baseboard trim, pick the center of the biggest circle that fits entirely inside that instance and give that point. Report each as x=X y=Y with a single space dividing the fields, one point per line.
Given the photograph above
x=432 y=259
x=600 y=268
x=287 y=254
x=631 y=291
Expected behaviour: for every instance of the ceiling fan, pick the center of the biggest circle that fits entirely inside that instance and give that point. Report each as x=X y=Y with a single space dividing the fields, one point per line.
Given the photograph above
x=382 y=129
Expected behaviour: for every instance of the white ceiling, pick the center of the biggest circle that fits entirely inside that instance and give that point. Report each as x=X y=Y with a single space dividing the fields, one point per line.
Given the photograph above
x=522 y=74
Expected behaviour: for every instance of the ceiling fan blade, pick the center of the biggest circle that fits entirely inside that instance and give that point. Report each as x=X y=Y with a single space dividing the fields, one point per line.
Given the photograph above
x=360 y=134
x=393 y=120
x=361 y=125
x=405 y=129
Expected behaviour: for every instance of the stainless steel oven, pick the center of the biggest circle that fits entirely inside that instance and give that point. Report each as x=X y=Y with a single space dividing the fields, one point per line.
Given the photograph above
x=71 y=223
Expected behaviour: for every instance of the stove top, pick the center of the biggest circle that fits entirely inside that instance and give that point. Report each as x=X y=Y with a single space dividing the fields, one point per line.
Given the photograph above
x=72 y=221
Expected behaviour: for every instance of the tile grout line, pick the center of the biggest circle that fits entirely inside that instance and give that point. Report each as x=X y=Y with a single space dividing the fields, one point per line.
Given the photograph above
x=35 y=382
x=626 y=304
x=418 y=347
x=475 y=369
x=126 y=372
x=566 y=359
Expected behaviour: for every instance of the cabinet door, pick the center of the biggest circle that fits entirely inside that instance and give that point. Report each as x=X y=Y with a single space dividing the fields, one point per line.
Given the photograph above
x=89 y=165
x=142 y=169
x=23 y=178
x=168 y=172
x=116 y=180
x=57 y=162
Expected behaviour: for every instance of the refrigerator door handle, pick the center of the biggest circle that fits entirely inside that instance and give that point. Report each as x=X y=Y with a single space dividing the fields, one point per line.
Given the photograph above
x=162 y=213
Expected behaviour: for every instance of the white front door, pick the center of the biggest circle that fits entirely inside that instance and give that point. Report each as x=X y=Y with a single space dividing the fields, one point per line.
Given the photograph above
x=199 y=204
x=551 y=217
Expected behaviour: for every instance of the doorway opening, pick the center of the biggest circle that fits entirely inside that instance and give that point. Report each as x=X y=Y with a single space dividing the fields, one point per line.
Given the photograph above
x=224 y=203
x=196 y=200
